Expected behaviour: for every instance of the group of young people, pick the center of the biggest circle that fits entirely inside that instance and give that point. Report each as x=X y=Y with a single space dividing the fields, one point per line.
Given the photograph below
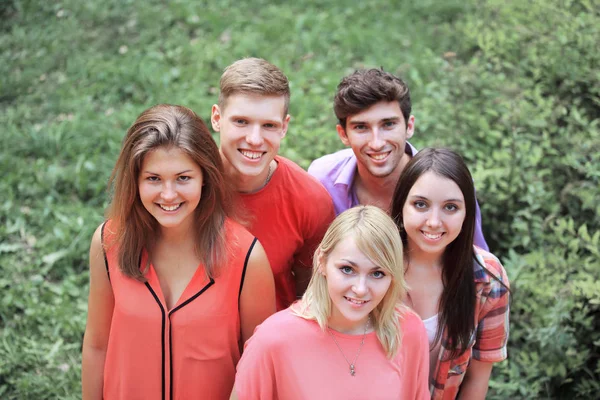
x=195 y=275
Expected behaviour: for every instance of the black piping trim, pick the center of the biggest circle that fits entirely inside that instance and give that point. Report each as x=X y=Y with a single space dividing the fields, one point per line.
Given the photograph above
x=104 y=250
x=244 y=270
x=162 y=311
x=188 y=301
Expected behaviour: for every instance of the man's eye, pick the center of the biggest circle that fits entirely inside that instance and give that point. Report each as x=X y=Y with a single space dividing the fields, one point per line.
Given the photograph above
x=389 y=124
x=241 y=121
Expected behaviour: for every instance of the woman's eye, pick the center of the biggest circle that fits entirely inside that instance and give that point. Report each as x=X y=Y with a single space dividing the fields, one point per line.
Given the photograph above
x=451 y=207
x=420 y=204
x=378 y=274
x=184 y=178
x=153 y=178
x=346 y=270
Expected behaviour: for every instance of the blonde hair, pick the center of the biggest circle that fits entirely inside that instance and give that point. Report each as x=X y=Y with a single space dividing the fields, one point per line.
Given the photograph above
x=377 y=237
x=168 y=126
x=254 y=76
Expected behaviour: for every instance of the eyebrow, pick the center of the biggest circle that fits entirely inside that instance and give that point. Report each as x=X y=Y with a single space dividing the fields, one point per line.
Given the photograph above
x=376 y=268
x=417 y=196
x=389 y=119
x=178 y=173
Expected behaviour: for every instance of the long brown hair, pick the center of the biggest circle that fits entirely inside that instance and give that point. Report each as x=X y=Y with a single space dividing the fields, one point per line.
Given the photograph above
x=457 y=302
x=134 y=229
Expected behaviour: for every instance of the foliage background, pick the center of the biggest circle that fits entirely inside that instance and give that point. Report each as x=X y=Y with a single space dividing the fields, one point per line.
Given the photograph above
x=513 y=85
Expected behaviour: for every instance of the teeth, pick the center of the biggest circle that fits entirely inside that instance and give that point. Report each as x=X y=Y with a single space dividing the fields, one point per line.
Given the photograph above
x=432 y=236
x=380 y=156
x=251 y=154
x=170 y=208
x=356 y=301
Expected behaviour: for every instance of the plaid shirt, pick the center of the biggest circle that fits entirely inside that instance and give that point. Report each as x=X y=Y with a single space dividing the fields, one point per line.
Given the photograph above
x=488 y=342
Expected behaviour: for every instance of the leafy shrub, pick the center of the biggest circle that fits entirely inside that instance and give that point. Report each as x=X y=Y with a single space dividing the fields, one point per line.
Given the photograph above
x=521 y=103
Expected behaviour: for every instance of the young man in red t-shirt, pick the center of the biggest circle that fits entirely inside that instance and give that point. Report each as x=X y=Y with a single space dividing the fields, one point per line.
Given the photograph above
x=289 y=211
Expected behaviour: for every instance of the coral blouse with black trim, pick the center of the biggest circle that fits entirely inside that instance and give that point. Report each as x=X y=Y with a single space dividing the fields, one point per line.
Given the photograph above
x=189 y=351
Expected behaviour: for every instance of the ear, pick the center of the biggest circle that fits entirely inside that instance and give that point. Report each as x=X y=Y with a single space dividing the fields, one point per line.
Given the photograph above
x=321 y=263
x=342 y=134
x=410 y=127
x=215 y=118
x=286 y=122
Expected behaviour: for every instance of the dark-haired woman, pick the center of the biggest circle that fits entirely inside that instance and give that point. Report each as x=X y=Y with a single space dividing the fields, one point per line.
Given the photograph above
x=176 y=286
x=460 y=291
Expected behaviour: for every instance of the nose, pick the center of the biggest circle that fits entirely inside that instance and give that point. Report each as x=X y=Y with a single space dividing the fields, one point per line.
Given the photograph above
x=434 y=220
x=254 y=136
x=376 y=143
x=360 y=286
x=168 y=192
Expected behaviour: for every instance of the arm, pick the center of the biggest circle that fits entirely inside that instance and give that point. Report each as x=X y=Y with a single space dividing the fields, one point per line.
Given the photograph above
x=100 y=309
x=255 y=376
x=257 y=299
x=475 y=385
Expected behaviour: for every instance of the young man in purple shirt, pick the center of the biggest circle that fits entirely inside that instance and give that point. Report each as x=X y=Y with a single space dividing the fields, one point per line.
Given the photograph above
x=373 y=109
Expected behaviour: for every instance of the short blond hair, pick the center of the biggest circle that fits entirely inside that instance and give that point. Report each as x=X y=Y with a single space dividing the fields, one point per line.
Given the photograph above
x=376 y=235
x=254 y=76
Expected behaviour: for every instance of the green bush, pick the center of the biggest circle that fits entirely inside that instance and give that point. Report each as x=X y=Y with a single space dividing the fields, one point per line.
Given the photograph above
x=522 y=104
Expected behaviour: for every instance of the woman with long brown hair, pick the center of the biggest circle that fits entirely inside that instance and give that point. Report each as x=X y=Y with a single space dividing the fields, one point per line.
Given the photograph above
x=176 y=286
x=459 y=290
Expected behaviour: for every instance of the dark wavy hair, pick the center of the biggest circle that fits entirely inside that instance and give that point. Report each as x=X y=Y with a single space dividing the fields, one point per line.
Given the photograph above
x=366 y=87
x=167 y=126
x=457 y=302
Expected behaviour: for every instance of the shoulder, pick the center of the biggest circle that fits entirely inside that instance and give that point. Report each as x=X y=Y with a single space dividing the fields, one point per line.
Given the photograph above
x=411 y=324
x=493 y=266
x=302 y=180
x=330 y=162
x=281 y=327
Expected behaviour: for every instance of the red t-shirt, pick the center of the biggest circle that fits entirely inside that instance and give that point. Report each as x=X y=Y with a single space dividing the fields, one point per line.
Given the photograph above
x=289 y=216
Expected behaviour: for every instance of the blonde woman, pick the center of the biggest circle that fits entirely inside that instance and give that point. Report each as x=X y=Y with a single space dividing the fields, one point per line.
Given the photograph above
x=347 y=338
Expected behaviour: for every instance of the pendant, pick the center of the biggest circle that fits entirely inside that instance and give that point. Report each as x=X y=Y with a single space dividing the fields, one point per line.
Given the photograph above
x=352 y=371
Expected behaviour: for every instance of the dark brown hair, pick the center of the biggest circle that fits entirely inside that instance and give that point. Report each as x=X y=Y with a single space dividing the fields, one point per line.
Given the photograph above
x=366 y=87
x=167 y=126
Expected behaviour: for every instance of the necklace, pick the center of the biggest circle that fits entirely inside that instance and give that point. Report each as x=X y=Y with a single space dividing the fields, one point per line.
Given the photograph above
x=269 y=174
x=362 y=342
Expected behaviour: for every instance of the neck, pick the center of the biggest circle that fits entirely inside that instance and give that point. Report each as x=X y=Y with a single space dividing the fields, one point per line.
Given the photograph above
x=346 y=327
x=374 y=190
x=416 y=258
x=249 y=184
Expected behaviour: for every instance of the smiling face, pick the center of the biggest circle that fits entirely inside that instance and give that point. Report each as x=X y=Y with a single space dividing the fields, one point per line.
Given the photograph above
x=378 y=137
x=433 y=214
x=251 y=127
x=170 y=187
x=355 y=285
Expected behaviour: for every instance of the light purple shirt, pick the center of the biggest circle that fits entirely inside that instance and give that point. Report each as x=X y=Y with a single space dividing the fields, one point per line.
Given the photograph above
x=336 y=172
